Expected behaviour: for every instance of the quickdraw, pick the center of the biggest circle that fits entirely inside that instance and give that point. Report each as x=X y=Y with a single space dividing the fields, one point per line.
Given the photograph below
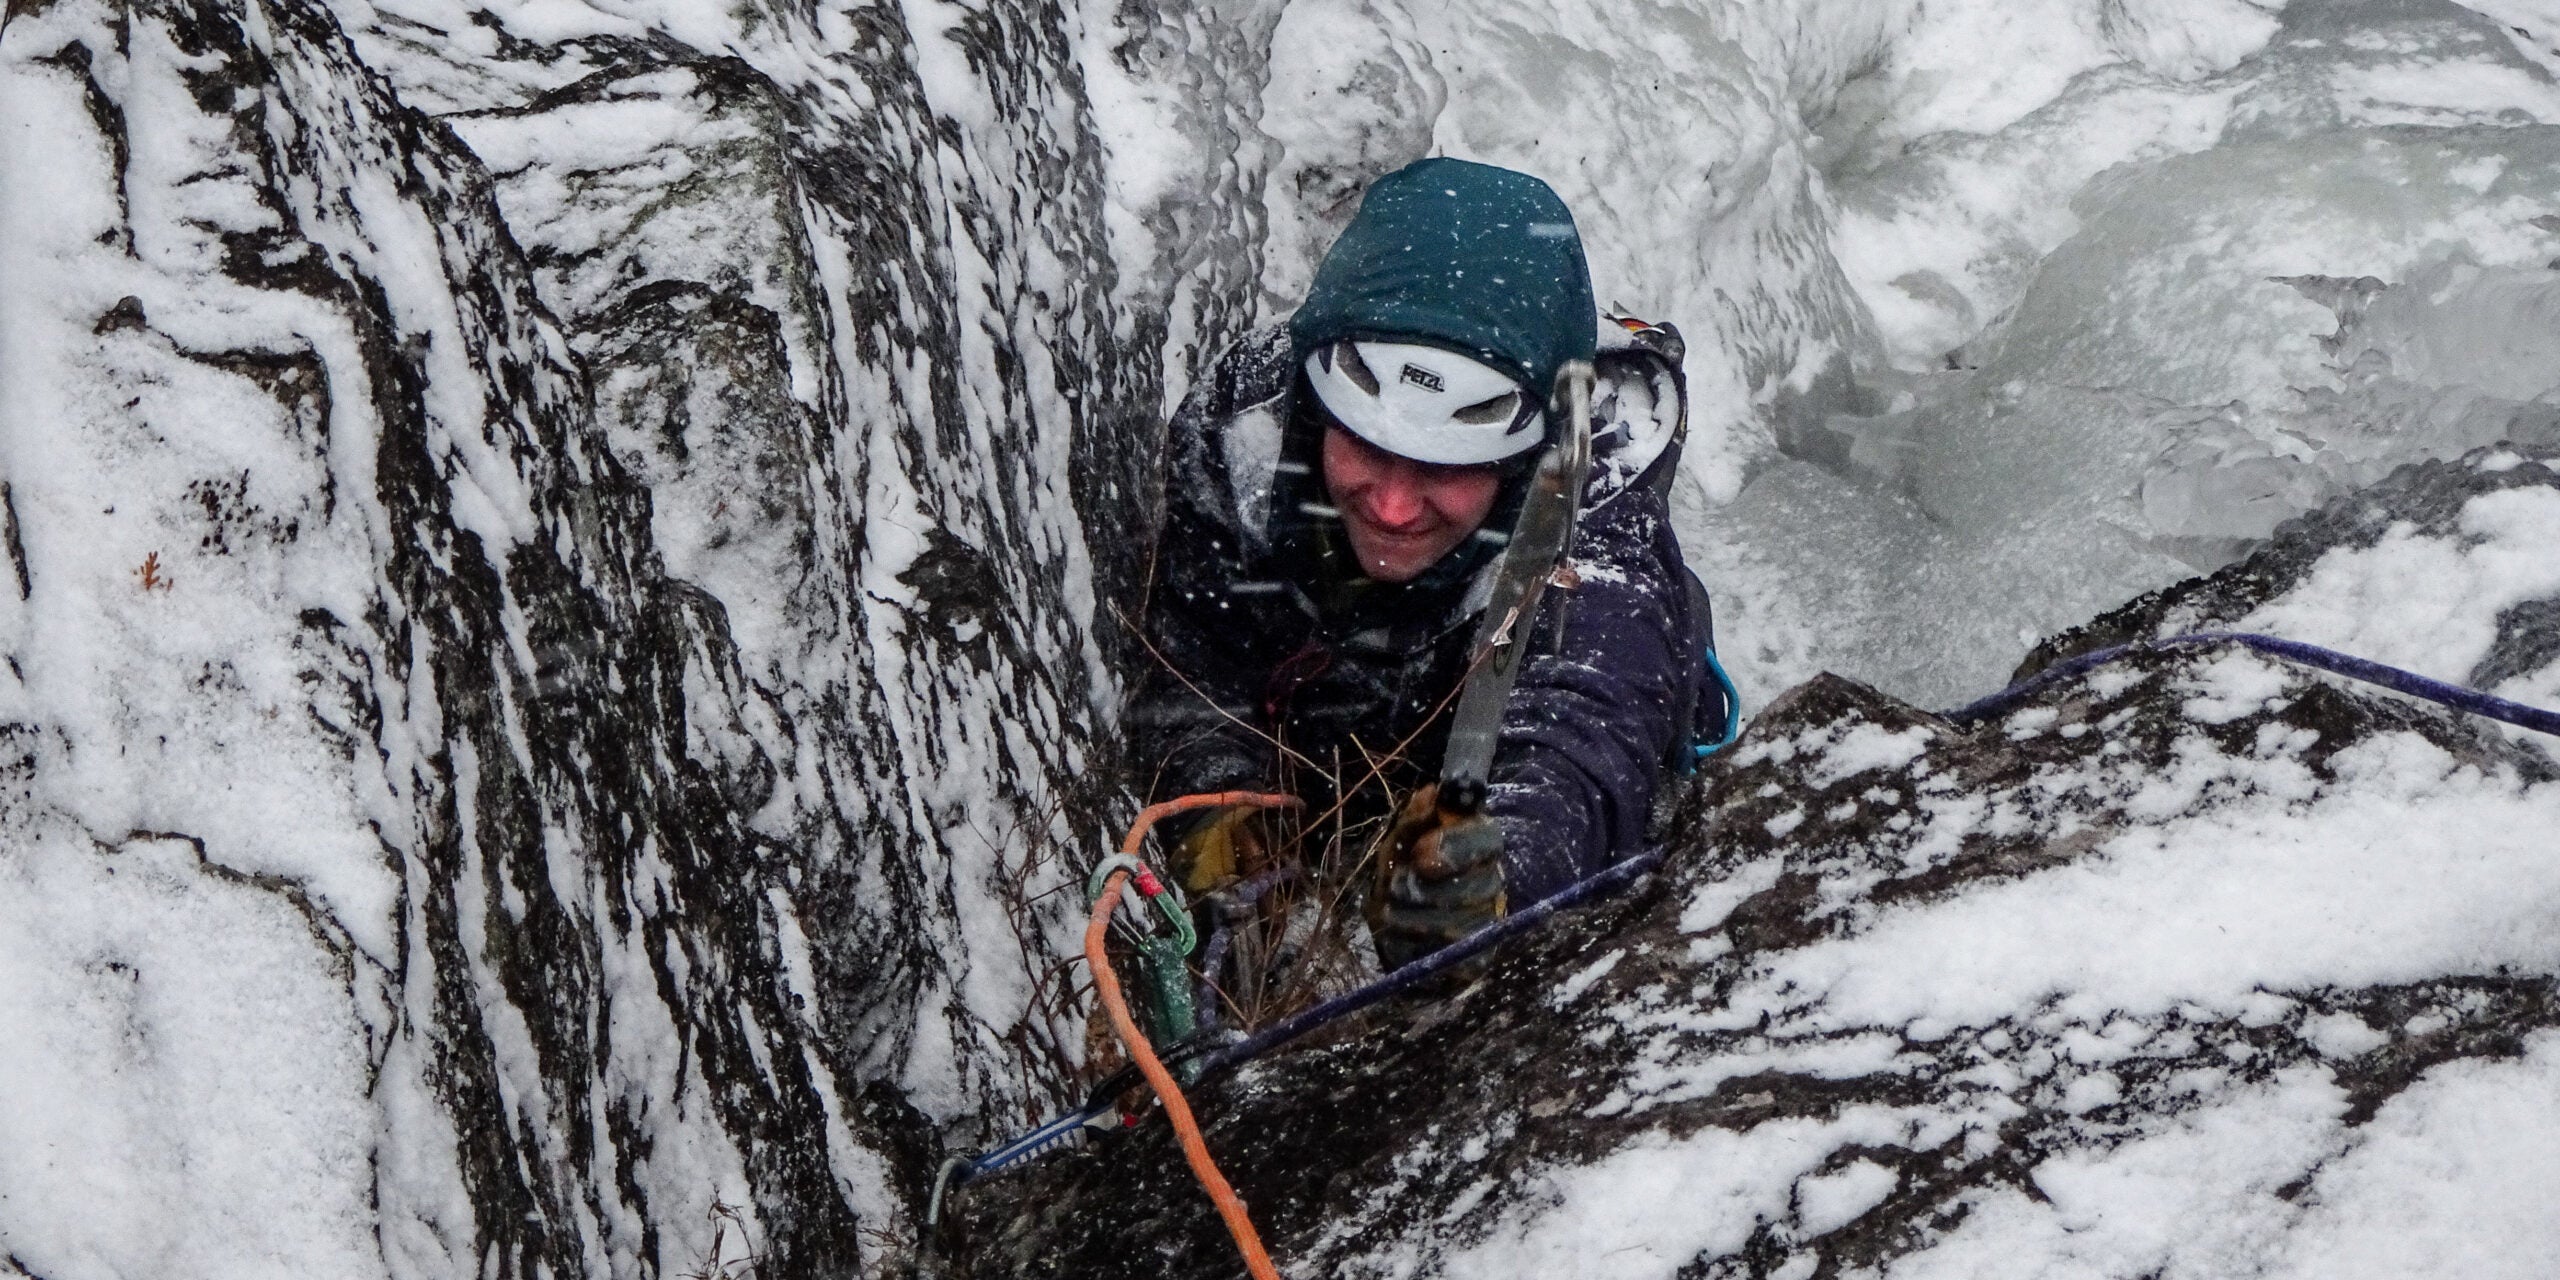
x=1163 y=954
x=1177 y=1109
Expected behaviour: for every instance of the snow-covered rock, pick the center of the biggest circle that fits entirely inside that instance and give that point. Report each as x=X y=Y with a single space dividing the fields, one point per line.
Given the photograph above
x=561 y=554
x=2193 y=965
x=549 y=648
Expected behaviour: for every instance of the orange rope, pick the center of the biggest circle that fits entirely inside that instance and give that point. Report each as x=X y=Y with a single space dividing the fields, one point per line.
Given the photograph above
x=1106 y=985
x=1149 y=816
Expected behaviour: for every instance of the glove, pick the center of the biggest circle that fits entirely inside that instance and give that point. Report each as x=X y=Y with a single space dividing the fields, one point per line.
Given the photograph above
x=1443 y=879
x=1230 y=842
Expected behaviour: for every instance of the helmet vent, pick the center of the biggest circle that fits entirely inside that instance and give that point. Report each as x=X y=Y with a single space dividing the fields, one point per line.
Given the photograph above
x=1403 y=398
x=1501 y=408
x=1347 y=358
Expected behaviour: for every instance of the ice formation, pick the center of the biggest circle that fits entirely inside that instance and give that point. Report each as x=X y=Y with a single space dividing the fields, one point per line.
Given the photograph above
x=2235 y=266
x=561 y=552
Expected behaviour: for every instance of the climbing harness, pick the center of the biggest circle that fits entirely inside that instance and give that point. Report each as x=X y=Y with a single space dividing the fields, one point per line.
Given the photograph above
x=1202 y=1057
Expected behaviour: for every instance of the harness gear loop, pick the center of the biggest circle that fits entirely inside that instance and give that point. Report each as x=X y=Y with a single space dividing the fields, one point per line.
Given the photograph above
x=1106 y=986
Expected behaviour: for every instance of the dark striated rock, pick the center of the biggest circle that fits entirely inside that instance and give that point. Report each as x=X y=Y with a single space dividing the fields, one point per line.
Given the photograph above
x=659 y=474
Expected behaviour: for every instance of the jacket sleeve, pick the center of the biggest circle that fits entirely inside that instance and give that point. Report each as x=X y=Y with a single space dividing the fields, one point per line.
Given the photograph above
x=1602 y=700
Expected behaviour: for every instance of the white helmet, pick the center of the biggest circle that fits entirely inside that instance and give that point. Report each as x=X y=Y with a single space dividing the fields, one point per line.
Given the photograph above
x=1429 y=404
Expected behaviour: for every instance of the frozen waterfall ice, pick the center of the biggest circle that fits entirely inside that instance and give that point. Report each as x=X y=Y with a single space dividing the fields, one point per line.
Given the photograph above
x=2139 y=324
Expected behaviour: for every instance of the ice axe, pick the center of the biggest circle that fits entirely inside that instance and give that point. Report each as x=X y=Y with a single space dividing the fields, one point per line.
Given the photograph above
x=1539 y=539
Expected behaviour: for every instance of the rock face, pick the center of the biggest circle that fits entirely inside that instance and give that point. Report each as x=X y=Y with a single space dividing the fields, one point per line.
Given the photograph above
x=574 y=607
x=2144 y=978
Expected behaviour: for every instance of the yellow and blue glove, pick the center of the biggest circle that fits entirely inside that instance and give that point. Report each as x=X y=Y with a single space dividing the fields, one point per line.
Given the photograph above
x=1231 y=842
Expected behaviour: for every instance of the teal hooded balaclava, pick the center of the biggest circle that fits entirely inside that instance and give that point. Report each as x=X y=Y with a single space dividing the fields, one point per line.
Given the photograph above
x=1482 y=260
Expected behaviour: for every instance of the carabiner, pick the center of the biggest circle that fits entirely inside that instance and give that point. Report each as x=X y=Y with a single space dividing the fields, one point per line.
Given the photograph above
x=1170 y=904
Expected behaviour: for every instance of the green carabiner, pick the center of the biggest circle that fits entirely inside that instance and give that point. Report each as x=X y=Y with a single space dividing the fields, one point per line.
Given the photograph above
x=1167 y=897
x=1163 y=957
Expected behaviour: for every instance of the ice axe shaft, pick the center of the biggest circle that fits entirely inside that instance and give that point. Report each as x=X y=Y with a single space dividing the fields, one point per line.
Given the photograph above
x=1539 y=540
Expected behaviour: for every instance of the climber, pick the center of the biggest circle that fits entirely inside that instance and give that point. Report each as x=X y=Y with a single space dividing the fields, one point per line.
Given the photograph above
x=1338 y=493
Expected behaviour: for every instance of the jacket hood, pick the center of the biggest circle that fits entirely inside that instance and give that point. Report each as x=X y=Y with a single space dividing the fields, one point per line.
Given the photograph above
x=1482 y=260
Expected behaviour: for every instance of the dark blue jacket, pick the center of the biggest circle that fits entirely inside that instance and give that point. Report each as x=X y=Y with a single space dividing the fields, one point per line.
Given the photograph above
x=1272 y=669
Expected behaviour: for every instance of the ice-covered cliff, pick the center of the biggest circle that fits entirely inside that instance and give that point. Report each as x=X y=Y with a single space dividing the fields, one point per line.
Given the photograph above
x=551 y=646
x=558 y=617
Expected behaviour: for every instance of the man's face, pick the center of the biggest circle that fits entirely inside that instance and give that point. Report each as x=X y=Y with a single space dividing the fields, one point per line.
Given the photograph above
x=1402 y=515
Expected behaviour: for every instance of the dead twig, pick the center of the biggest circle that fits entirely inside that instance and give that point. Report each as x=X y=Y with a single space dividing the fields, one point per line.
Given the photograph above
x=152 y=578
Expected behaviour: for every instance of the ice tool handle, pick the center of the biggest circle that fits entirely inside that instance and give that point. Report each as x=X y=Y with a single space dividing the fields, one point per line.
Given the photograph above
x=1460 y=799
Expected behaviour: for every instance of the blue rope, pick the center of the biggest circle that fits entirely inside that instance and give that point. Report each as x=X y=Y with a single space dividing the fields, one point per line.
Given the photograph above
x=2411 y=683
x=1598 y=884
x=1612 y=879
x=1069 y=1129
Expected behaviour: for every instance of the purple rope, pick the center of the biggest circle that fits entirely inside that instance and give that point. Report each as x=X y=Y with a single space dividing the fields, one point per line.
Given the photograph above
x=1597 y=884
x=1239 y=900
x=2455 y=696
